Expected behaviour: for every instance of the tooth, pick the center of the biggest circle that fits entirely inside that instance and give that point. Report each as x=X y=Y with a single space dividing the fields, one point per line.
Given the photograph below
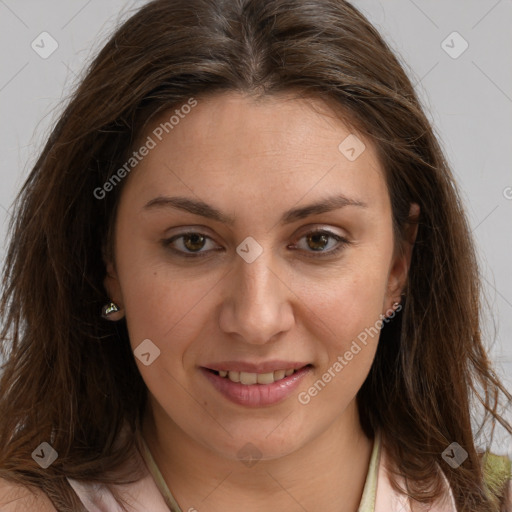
x=248 y=378
x=265 y=378
x=279 y=374
x=234 y=376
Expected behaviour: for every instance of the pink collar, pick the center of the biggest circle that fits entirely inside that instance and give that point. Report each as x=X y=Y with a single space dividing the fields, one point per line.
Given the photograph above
x=389 y=500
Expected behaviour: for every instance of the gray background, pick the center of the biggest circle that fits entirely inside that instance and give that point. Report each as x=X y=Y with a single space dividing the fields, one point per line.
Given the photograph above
x=468 y=98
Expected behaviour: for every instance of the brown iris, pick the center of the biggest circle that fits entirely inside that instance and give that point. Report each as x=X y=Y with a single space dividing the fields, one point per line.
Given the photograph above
x=320 y=240
x=193 y=241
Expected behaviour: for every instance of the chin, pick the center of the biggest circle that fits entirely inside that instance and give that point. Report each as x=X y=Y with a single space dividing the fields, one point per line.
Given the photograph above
x=259 y=444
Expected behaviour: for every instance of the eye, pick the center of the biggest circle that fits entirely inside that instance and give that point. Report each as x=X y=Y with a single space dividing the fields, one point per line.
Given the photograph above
x=189 y=244
x=318 y=240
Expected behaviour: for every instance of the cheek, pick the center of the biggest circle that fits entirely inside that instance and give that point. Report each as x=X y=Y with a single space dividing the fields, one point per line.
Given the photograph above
x=171 y=312
x=163 y=306
x=347 y=330
x=347 y=302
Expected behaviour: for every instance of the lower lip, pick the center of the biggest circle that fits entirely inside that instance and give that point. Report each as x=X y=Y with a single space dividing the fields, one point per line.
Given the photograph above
x=256 y=395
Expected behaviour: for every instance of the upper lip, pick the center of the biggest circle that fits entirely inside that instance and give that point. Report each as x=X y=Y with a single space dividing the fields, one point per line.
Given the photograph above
x=263 y=367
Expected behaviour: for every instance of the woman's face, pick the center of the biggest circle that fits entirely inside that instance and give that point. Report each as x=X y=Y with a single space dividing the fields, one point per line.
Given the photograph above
x=219 y=270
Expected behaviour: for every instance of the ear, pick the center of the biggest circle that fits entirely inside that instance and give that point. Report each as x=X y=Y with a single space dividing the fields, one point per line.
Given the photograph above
x=402 y=259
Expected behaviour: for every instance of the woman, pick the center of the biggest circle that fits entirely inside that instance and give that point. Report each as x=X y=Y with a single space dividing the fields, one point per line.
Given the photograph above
x=240 y=276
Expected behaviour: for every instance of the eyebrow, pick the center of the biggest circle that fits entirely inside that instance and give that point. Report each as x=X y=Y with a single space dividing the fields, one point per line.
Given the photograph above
x=203 y=209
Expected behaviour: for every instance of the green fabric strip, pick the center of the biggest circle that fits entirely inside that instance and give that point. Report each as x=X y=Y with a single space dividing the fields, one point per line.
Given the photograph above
x=370 y=488
x=159 y=479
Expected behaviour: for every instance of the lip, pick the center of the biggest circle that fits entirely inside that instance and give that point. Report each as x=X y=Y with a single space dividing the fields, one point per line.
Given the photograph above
x=264 y=367
x=257 y=395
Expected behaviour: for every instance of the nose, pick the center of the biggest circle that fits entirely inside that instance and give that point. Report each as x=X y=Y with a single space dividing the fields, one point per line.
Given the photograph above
x=257 y=304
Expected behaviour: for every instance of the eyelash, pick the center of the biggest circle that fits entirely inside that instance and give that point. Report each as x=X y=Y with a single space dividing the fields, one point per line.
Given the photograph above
x=342 y=243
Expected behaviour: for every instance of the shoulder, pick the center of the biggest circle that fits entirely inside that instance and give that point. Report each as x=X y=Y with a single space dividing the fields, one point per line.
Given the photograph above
x=18 y=498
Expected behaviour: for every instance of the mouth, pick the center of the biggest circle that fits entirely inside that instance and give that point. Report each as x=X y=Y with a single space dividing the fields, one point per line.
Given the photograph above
x=249 y=378
x=256 y=388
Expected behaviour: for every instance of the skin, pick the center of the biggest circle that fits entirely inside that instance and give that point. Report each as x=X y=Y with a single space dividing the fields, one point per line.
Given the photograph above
x=253 y=160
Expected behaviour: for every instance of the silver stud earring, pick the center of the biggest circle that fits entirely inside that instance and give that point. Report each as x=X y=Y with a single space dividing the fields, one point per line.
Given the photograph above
x=399 y=302
x=111 y=311
x=395 y=307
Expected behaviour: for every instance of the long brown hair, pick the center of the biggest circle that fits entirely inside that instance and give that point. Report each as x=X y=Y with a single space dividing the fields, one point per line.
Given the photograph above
x=70 y=377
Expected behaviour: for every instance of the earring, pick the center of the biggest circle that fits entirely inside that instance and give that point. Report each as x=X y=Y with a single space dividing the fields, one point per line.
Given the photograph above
x=395 y=308
x=399 y=302
x=111 y=311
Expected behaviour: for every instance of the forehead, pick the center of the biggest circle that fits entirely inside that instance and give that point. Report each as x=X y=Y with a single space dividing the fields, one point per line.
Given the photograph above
x=268 y=151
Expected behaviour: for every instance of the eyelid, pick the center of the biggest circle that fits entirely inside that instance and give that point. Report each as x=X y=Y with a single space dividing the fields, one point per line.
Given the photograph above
x=317 y=228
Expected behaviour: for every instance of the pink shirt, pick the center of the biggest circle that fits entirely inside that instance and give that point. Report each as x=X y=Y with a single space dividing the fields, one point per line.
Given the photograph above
x=152 y=494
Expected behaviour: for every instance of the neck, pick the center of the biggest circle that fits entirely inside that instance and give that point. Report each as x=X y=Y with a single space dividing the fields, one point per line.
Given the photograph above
x=328 y=473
